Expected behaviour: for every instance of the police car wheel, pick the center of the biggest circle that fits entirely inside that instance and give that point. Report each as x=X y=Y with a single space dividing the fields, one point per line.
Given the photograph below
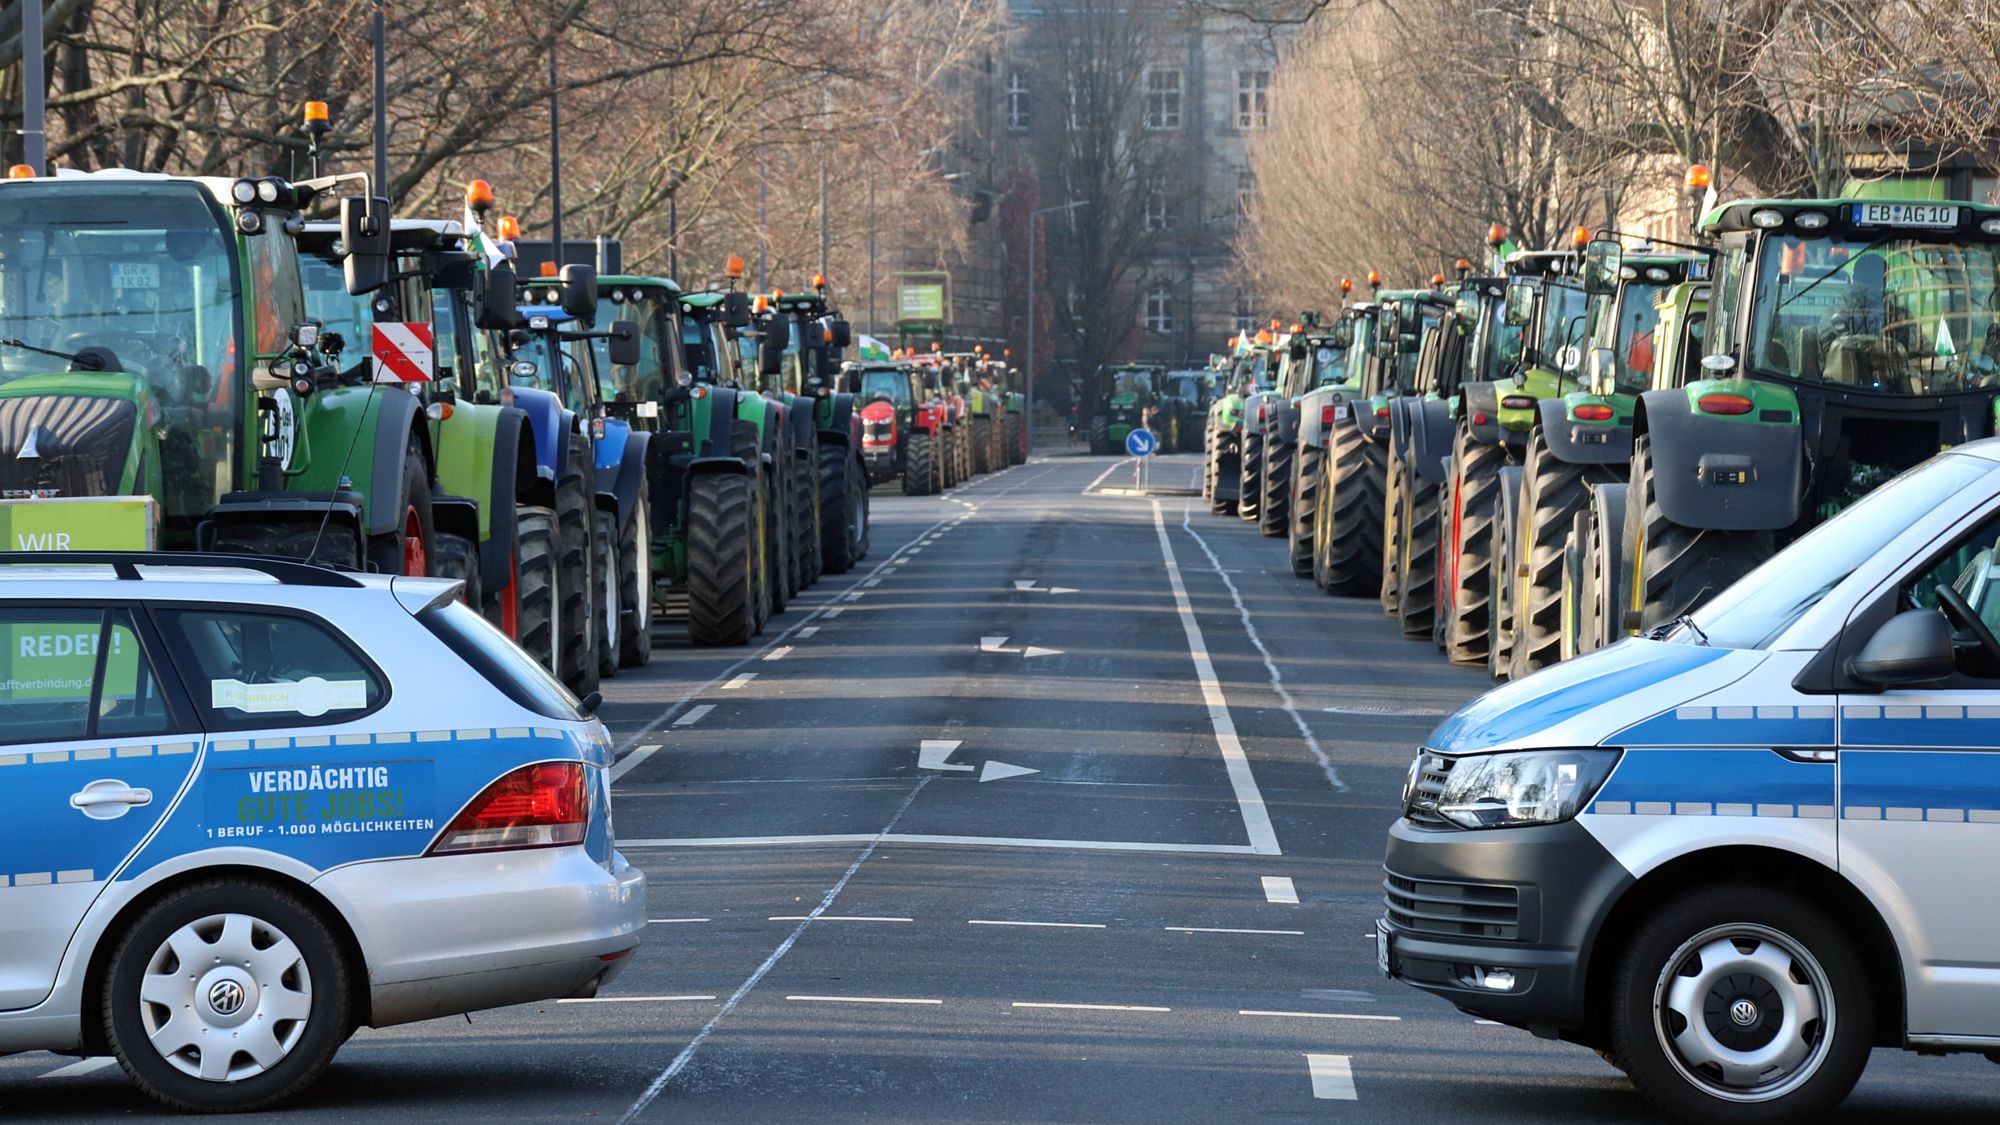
x=226 y=995
x=1742 y=1003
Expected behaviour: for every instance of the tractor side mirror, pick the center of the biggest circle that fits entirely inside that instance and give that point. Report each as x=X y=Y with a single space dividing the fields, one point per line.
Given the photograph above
x=1603 y=260
x=497 y=311
x=1519 y=306
x=624 y=343
x=736 y=309
x=843 y=332
x=771 y=346
x=1343 y=333
x=1603 y=370
x=1913 y=647
x=579 y=291
x=364 y=231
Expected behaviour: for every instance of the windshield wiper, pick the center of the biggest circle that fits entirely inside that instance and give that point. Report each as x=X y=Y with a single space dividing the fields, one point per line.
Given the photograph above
x=84 y=361
x=1685 y=620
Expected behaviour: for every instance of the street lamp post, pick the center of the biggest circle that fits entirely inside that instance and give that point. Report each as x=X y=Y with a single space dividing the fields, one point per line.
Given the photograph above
x=1034 y=218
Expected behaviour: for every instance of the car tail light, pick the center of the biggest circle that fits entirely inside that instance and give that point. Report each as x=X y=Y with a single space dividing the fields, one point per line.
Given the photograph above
x=1517 y=402
x=1593 y=412
x=1326 y=415
x=1723 y=404
x=545 y=805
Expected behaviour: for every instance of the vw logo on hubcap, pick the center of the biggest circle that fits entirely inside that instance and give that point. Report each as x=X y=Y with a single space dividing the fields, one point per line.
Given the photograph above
x=1743 y=1013
x=226 y=997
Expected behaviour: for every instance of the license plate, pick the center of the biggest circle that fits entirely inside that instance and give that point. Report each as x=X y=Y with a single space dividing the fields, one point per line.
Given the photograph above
x=1905 y=215
x=1382 y=940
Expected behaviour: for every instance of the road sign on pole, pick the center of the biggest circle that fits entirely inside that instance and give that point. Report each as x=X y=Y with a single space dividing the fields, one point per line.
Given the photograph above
x=1141 y=443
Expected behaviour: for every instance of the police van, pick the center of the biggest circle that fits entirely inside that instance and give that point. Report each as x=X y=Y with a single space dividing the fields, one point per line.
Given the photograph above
x=248 y=805
x=1737 y=854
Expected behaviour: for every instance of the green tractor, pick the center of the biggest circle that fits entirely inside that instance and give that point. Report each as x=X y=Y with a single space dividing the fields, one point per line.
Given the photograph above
x=1230 y=460
x=1311 y=379
x=1185 y=396
x=1845 y=341
x=157 y=343
x=1123 y=399
x=1581 y=440
x=803 y=338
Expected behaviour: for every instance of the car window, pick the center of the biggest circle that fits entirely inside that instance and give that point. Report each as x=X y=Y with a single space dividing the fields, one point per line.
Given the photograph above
x=262 y=668
x=54 y=687
x=500 y=660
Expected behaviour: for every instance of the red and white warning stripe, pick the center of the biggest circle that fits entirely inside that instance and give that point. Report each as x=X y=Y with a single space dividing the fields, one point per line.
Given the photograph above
x=404 y=352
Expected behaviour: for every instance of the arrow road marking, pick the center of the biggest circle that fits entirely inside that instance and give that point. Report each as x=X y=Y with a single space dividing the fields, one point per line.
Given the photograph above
x=932 y=754
x=1027 y=585
x=1024 y=583
x=995 y=644
x=997 y=771
x=1033 y=651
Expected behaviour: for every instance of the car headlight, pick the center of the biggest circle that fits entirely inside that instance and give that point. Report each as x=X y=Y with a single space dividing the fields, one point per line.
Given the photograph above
x=1516 y=787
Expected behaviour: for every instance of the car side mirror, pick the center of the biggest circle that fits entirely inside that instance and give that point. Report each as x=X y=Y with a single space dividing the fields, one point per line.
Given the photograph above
x=624 y=343
x=579 y=291
x=364 y=231
x=1914 y=647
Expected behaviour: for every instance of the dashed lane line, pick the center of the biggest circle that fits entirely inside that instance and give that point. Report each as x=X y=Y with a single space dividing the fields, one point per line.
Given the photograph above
x=694 y=715
x=737 y=683
x=1090 y=1007
x=1332 y=1077
x=671 y=921
x=1049 y=925
x=836 y=918
x=1279 y=889
x=627 y=999
x=1224 y=930
x=778 y=653
x=808 y=631
x=631 y=761
x=865 y=999
x=1321 y=1016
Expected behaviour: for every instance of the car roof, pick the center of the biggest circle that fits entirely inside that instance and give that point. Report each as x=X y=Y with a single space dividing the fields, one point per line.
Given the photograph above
x=161 y=576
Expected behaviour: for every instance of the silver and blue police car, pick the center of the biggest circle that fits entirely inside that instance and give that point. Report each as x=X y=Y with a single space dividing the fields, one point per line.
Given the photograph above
x=1739 y=853
x=253 y=805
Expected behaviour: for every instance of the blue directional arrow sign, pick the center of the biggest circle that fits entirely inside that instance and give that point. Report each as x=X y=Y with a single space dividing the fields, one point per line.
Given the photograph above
x=1141 y=443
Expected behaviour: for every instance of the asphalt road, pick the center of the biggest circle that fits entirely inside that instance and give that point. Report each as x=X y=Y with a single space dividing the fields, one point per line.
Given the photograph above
x=867 y=908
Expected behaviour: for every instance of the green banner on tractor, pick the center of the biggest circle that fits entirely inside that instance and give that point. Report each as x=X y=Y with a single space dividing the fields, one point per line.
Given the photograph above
x=93 y=523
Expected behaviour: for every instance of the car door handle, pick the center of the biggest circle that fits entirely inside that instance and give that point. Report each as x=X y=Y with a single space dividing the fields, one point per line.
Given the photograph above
x=104 y=800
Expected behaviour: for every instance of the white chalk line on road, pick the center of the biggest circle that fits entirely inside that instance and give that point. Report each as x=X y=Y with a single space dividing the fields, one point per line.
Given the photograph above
x=1249 y=801
x=1285 y=699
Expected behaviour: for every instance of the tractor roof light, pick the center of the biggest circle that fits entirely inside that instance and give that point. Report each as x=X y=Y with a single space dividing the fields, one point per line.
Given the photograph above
x=1697 y=179
x=1580 y=236
x=1375 y=278
x=21 y=172
x=1766 y=218
x=1346 y=286
x=549 y=270
x=761 y=305
x=510 y=228
x=1437 y=280
x=1495 y=235
x=819 y=282
x=316 y=119
x=733 y=268
x=479 y=197
x=1463 y=266
x=1811 y=220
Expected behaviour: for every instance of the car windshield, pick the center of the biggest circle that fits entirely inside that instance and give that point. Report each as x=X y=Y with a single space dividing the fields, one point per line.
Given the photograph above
x=887 y=384
x=1637 y=318
x=1892 y=315
x=138 y=278
x=1562 y=305
x=1766 y=601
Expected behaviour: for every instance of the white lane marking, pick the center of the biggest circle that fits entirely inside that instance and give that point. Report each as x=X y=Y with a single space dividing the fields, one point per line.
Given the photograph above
x=1000 y=771
x=871 y=583
x=1489 y=1023
x=935 y=754
x=1115 y=466
x=739 y=681
x=1031 y=650
x=631 y=761
x=1092 y=1007
x=694 y=715
x=864 y=999
x=627 y=999
x=995 y=644
x=1049 y=925
x=1024 y=583
x=832 y=611
x=669 y=921
x=1062 y=589
x=625 y=844
x=1256 y=817
x=854 y=597
x=778 y=653
x=1220 y=930
x=687 y=1053
x=1279 y=888
x=1270 y=666
x=1321 y=1016
x=837 y=918
x=1332 y=1077
x=1385 y=712
x=808 y=631
x=82 y=1066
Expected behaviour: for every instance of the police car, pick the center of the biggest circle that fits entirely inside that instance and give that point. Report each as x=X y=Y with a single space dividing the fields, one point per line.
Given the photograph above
x=251 y=805
x=1738 y=854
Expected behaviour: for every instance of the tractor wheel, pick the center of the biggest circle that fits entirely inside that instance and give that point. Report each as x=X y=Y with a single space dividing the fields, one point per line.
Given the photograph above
x=1351 y=508
x=1553 y=494
x=948 y=457
x=455 y=556
x=860 y=474
x=575 y=586
x=840 y=506
x=1306 y=485
x=1224 y=467
x=635 y=578
x=1100 y=434
x=1417 y=554
x=1678 y=568
x=917 y=465
x=982 y=444
x=1606 y=571
x=721 y=559
x=1475 y=504
x=1503 y=575
x=1017 y=439
x=1250 y=476
x=1392 y=526
x=536 y=620
x=605 y=593
x=965 y=452
x=778 y=544
x=407 y=549
x=1273 y=503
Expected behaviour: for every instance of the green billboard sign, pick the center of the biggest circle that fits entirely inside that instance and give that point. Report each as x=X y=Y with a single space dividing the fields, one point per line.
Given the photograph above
x=920 y=302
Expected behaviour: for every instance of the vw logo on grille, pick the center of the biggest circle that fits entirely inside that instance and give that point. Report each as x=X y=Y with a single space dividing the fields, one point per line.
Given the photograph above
x=1743 y=1012
x=226 y=997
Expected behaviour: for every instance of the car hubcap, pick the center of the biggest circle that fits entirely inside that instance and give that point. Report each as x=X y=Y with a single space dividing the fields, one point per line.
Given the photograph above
x=225 y=997
x=1744 y=1012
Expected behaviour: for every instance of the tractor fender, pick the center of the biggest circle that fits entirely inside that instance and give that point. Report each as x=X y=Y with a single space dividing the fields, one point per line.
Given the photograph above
x=398 y=418
x=846 y=419
x=1312 y=407
x=618 y=484
x=1482 y=400
x=456 y=515
x=496 y=551
x=1582 y=443
x=1430 y=438
x=546 y=426
x=1400 y=409
x=1285 y=419
x=1257 y=412
x=1729 y=474
x=799 y=416
x=720 y=439
x=608 y=444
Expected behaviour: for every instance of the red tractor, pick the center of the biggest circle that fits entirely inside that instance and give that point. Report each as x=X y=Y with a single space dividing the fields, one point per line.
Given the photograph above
x=902 y=434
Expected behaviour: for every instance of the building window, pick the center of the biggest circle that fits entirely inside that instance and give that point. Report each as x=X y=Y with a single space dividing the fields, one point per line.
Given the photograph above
x=1017 y=101
x=1163 y=99
x=1246 y=312
x=1253 y=99
x=1246 y=192
x=1160 y=311
x=1159 y=213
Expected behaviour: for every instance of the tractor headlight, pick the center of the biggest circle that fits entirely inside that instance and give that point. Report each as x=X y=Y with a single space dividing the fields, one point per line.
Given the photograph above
x=1519 y=787
x=243 y=191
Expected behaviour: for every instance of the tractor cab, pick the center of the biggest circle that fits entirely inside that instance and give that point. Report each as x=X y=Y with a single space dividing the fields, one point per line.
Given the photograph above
x=653 y=306
x=1546 y=301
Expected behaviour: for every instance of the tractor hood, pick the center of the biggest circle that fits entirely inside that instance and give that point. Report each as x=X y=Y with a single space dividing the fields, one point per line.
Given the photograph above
x=878 y=411
x=57 y=439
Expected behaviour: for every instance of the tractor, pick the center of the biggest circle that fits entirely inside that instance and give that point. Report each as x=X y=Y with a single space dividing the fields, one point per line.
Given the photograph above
x=1312 y=377
x=902 y=434
x=1185 y=397
x=1124 y=399
x=1226 y=454
x=801 y=344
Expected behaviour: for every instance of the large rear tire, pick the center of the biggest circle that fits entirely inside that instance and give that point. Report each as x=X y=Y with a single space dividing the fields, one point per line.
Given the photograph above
x=1417 y=555
x=455 y=556
x=722 y=560
x=1553 y=493
x=1100 y=435
x=1575 y=585
x=575 y=576
x=1605 y=570
x=635 y=577
x=918 y=465
x=1250 y=476
x=1274 y=501
x=982 y=444
x=1351 y=538
x=948 y=457
x=1304 y=501
x=1675 y=568
x=607 y=591
x=1017 y=439
x=1475 y=494
x=536 y=624
x=1392 y=526
x=1500 y=600
x=840 y=506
